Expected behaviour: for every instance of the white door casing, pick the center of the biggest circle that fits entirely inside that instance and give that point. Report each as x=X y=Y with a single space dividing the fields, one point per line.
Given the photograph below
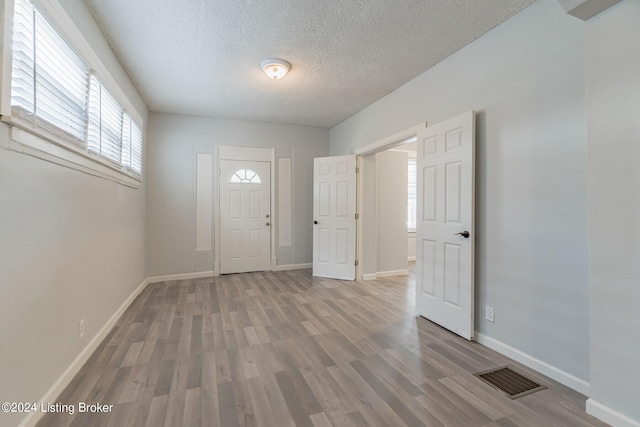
x=334 y=210
x=245 y=222
x=445 y=258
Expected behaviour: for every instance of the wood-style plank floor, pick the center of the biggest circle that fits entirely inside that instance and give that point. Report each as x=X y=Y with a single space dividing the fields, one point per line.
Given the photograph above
x=287 y=349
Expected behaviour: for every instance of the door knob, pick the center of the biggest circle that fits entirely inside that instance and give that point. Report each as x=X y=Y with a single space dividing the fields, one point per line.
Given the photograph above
x=267 y=215
x=464 y=234
x=315 y=222
x=268 y=224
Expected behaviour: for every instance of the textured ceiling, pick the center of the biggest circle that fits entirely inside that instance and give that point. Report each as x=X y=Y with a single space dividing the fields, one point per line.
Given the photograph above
x=202 y=57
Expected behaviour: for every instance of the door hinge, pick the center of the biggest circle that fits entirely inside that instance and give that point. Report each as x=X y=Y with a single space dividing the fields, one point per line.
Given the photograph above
x=356 y=262
x=357 y=169
x=357 y=216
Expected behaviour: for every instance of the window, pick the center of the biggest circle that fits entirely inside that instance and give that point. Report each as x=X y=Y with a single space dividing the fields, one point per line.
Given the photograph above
x=105 y=123
x=49 y=80
x=111 y=132
x=412 y=190
x=245 y=176
x=56 y=95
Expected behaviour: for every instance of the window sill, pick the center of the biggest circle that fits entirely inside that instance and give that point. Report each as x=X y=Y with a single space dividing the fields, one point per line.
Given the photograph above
x=53 y=149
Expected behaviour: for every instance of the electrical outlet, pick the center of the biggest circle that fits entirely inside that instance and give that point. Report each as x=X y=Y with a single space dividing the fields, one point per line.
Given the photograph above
x=490 y=313
x=81 y=328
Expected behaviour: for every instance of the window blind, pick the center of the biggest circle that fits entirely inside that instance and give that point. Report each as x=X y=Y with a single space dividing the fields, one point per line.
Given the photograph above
x=110 y=126
x=136 y=148
x=93 y=127
x=61 y=81
x=50 y=80
x=22 y=67
x=126 y=140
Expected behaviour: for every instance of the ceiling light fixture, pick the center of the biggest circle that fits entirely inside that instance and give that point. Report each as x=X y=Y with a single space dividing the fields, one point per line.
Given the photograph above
x=275 y=68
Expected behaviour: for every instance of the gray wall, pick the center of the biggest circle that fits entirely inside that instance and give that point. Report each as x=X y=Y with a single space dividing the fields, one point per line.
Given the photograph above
x=391 y=197
x=174 y=141
x=525 y=79
x=613 y=95
x=72 y=247
x=368 y=216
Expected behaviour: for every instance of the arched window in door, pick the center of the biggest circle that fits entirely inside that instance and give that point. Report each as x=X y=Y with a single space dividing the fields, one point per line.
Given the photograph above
x=245 y=176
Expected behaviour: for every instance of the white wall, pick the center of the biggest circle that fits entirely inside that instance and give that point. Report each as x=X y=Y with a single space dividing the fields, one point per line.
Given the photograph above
x=368 y=216
x=411 y=246
x=391 y=204
x=525 y=79
x=174 y=142
x=411 y=239
x=72 y=247
x=613 y=100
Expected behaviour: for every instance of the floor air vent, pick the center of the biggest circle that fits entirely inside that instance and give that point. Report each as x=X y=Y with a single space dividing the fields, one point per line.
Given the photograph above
x=509 y=382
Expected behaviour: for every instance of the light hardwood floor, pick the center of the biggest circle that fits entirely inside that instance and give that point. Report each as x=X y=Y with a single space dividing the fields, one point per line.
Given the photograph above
x=286 y=349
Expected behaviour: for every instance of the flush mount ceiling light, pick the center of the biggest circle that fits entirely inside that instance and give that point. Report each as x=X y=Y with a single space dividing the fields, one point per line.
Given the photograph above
x=275 y=68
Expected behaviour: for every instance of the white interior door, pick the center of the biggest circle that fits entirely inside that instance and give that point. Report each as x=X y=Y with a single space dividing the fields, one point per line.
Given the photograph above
x=334 y=213
x=245 y=208
x=445 y=225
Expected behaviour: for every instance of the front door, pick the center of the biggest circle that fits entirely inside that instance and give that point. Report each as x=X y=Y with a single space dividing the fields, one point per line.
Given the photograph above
x=245 y=208
x=445 y=225
x=334 y=213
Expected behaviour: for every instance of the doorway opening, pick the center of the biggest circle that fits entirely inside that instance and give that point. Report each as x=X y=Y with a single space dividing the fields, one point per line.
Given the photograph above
x=386 y=230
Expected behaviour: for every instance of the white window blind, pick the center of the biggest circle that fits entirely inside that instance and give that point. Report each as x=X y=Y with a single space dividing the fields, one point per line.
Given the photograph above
x=93 y=127
x=126 y=140
x=53 y=91
x=136 y=148
x=51 y=80
x=131 y=145
x=412 y=191
x=105 y=134
x=22 y=67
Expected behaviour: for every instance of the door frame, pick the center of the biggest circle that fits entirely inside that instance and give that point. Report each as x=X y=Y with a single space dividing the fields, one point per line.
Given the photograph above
x=223 y=152
x=403 y=137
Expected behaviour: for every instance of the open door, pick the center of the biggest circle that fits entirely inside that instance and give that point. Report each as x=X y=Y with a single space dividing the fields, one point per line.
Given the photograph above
x=445 y=224
x=334 y=217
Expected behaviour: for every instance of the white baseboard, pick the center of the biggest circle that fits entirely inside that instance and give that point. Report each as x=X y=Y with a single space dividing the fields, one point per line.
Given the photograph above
x=544 y=368
x=184 y=276
x=370 y=276
x=293 y=267
x=392 y=273
x=608 y=415
x=52 y=394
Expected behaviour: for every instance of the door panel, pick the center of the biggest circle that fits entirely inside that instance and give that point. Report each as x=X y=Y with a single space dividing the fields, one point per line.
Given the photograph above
x=452 y=274
x=444 y=272
x=428 y=266
x=334 y=208
x=453 y=196
x=245 y=207
x=323 y=237
x=429 y=194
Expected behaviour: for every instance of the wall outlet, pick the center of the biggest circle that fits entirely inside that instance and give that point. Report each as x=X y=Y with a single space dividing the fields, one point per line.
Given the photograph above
x=81 y=328
x=490 y=313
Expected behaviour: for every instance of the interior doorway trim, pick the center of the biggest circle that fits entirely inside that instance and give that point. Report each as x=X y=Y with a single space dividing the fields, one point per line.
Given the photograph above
x=390 y=141
x=223 y=152
x=403 y=137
